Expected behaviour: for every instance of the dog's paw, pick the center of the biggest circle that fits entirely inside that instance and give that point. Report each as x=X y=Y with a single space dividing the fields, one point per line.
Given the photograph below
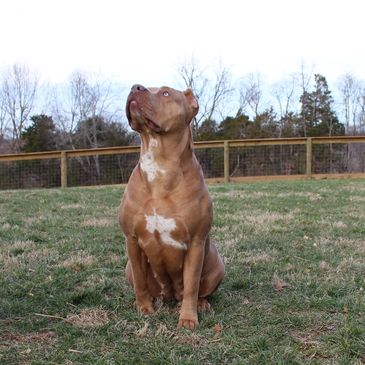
x=203 y=305
x=188 y=322
x=146 y=308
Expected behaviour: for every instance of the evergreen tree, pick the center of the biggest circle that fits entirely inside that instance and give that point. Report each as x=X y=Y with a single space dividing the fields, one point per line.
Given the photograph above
x=319 y=117
x=41 y=135
x=234 y=127
x=97 y=132
x=207 y=131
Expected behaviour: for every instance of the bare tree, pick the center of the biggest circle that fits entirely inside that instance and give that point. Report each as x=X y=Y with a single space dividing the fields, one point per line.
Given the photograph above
x=3 y=118
x=251 y=94
x=285 y=94
x=85 y=98
x=211 y=88
x=18 y=91
x=361 y=102
x=79 y=107
x=352 y=102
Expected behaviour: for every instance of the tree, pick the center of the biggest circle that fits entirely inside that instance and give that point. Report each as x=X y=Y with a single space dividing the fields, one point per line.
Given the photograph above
x=86 y=98
x=41 y=135
x=3 y=118
x=351 y=102
x=18 y=91
x=320 y=118
x=108 y=134
x=207 y=131
x=286 y=96
x=234 y=127
x=78 y=111
x=251 y=94
x=211 y=93
x=264 y=125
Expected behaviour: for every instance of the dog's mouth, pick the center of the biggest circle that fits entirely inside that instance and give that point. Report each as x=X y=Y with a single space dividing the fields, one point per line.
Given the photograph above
x=133 y=111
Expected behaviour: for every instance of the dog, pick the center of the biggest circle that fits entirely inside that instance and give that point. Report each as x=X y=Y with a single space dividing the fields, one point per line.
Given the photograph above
x=166 y=211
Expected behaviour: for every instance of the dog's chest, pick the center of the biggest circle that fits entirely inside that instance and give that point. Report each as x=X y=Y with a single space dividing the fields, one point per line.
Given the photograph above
x=158 y=231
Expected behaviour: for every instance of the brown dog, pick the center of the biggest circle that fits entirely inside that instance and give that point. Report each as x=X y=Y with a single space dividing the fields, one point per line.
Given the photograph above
x=166 y=211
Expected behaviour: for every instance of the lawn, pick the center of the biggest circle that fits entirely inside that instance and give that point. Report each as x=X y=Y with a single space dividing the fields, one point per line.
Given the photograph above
x=294 y=291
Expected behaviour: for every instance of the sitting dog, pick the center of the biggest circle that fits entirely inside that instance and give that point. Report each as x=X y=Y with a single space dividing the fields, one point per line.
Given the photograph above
x=166 y=210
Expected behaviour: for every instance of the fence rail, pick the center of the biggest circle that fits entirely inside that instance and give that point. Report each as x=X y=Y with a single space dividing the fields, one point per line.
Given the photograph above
x=222 y=161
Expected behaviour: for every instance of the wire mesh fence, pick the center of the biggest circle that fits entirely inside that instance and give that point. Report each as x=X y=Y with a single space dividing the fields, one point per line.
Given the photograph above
x=220 y=161
x=100 y=170
x=23 y=174
x=211 y=161
x=267 y=160
x=338 y=158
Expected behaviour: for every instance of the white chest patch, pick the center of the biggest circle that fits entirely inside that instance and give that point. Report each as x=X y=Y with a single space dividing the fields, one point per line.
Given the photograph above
x=164 y=226
x=148 y=162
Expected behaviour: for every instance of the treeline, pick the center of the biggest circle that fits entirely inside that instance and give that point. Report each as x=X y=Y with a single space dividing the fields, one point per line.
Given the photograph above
x=88 y=111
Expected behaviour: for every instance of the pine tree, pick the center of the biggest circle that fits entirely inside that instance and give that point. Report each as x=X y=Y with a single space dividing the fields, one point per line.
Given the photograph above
x=320 y=118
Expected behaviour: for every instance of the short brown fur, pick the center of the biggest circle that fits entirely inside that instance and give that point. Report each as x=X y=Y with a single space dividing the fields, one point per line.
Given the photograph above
x=166 y=211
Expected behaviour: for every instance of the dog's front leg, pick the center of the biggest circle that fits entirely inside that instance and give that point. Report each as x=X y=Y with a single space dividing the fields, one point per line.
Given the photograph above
x=138 y=262
x=193 y=265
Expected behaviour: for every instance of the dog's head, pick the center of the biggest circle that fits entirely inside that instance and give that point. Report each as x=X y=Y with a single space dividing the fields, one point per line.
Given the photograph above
x=160 y=110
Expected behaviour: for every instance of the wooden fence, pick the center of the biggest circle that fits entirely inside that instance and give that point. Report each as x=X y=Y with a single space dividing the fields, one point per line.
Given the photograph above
x=222 y=161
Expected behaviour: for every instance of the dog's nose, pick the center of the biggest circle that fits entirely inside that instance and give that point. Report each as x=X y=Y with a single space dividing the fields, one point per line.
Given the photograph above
x=137 y=87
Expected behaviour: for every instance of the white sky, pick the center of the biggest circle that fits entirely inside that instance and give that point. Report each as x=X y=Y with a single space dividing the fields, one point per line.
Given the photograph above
x=144 y=40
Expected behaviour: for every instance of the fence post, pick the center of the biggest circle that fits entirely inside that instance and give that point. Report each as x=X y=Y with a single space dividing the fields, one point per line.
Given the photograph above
x=63 y=169
x=226 y=161
x=309 y=158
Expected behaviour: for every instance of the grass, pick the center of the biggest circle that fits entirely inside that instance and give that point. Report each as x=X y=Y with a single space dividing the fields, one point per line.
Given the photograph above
x=294 y=291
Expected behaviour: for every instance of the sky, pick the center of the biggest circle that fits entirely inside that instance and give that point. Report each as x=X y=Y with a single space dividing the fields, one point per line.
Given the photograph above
x=144 y=41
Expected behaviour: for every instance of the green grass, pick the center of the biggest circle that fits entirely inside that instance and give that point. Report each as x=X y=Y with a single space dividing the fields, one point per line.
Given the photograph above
x=294 y=291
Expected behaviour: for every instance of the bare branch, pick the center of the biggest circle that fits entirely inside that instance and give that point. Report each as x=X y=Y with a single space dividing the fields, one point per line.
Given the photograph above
x=211 y=93
x=250 y=91
x=18 y=89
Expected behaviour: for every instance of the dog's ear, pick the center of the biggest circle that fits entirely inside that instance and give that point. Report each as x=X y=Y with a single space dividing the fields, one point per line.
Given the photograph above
x=193 y=102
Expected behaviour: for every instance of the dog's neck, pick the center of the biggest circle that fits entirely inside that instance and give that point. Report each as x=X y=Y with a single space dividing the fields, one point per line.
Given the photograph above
x=164 y=158
x=167 y=148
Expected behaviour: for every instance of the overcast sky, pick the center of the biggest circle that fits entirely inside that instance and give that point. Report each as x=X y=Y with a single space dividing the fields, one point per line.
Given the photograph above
x=144 y=40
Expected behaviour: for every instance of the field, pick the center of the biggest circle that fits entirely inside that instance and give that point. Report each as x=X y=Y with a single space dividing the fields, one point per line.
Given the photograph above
x=294 y=291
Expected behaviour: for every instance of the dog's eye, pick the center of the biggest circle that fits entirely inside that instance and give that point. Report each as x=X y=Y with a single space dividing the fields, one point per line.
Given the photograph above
x=166 y=93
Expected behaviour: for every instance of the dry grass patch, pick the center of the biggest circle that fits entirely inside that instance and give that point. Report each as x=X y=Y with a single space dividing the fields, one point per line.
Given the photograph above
x=76 y=263
x=46 y=337
x=18 y=245
x=21 y=254
x=355 y=245
x=311 y=337
x=192 y=339
x=6 y=226
x=71 y=206
x=96 y=222
x=257 y=257
x=357 y=198
x=241 y=194
x=92 y=281
x=301 y=194
x=265 y=220
x=29 y=221
x=89 y=317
